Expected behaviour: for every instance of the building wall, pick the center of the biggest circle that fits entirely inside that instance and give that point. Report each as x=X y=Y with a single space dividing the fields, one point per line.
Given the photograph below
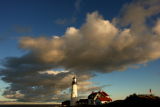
x=74 y=91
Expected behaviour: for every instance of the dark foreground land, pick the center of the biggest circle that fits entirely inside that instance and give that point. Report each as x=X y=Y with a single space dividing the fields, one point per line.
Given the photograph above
x=132 y=100
x=30 y=105
x=136 y=100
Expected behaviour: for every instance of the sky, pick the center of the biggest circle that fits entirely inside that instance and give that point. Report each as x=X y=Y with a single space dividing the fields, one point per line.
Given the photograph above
x=111 y=45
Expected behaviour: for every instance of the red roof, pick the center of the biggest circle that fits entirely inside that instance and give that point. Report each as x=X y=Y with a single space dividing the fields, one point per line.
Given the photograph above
x=104 y=94
x=104 y=99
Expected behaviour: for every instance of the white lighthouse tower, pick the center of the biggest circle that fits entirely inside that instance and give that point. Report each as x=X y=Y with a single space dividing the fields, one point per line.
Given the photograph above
x=74 y=93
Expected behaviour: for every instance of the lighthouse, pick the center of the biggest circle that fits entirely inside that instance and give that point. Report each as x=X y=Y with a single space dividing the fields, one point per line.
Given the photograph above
x=74 y=93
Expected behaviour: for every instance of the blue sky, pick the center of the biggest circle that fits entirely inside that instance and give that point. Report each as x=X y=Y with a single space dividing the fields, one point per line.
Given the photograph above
x=49 y=18
x=138 y=81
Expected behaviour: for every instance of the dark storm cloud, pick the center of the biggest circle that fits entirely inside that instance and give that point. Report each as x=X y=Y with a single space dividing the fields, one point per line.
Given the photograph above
x=31 y=80
x=97 y=46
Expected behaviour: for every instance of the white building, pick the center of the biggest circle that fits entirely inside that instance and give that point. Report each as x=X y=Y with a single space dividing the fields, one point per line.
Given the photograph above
x=74 y=92
x=97 y=98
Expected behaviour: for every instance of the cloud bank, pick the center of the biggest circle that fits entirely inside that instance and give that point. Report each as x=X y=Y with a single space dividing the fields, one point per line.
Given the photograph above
x=97 y=46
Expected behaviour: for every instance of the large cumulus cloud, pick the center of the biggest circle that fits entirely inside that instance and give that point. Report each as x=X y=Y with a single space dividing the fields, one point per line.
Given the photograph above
x=97 y=46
